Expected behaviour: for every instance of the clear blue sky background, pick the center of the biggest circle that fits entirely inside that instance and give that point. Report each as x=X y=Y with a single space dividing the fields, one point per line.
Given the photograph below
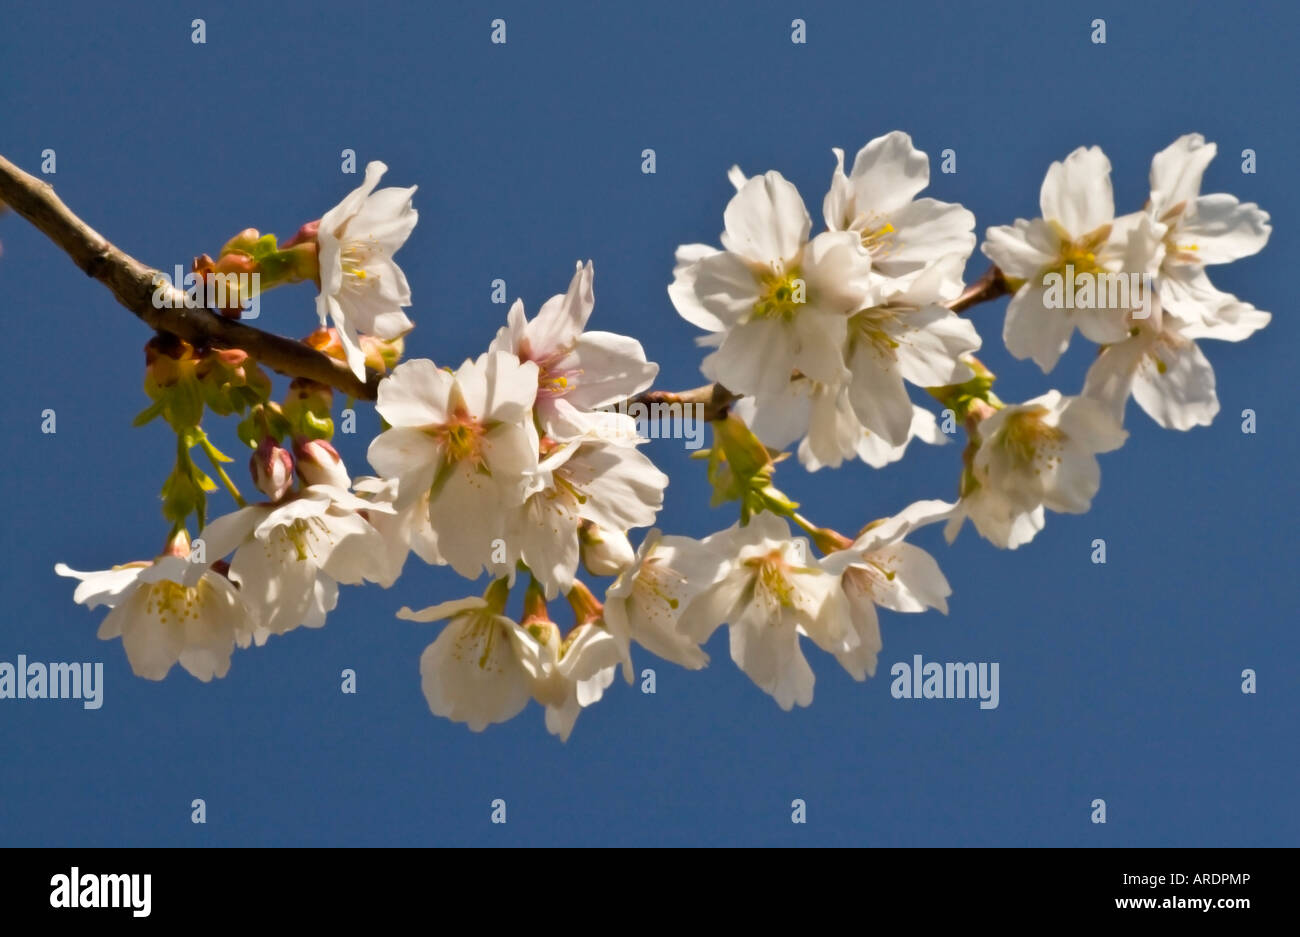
x=1119 y=681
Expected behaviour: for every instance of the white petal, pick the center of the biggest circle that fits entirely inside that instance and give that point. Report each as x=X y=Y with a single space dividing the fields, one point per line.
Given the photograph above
x=1220 y=229
x=766 y=220
x=1176 y=172
x=1077 y=193
x=415 y=394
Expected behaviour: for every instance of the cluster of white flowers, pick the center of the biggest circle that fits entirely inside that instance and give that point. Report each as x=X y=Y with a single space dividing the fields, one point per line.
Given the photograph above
x=513 y=462
x=823 y=334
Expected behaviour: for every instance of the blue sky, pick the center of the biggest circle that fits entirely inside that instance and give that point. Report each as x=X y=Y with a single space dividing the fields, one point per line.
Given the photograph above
x=1119 y=681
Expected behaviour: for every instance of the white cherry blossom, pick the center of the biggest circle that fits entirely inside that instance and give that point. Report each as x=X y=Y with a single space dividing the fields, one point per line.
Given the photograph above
x=776 y=301
x=463 y=448
x=480 y=669
x=646 y=601
x=290 y=556
x=571 y=674
x=361 y=288
x=592 y=479
x=1078 y=231
x=822 y=420
x=1199 y=230
x=881 y=570
x=771 y=592
x=1038 y=455
x=168 y=611
x=1159 y=364
x=904 y=234
x=577 y=371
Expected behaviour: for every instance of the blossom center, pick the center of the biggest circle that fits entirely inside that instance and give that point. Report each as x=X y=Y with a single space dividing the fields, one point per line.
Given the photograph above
x=877 y=235
x=1078 y=254
x=870 y=327
x=172 y=602
x=781 y=293
x=352 y=259
x=1028 y=438
x=302 y=536
x=770 y=578
x=462 y=440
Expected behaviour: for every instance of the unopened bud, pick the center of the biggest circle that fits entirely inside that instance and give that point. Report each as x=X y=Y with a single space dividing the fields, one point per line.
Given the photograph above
x=382 y=355
x=178 y=544
x=604 y=552
x=320 y=464
x=306 y=235
x=272 y=469
x=167 y=359
x=307 y=407
x=327 y=342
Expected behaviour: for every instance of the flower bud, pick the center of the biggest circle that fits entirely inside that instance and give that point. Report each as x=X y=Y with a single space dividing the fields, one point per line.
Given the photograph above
x=178 y=544
x=382 y=356
x=604 y=552
x=320 y=464
x=307 y=407
x=272 y=469
x=306 y=235
x=167 y=360
x=327 y=342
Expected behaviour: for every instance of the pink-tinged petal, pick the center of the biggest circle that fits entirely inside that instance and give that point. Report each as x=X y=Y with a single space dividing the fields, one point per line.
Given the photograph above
x=499 y=387
x=510 y=337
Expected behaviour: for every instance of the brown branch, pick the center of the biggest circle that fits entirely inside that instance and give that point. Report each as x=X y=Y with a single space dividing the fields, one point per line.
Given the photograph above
x=990 y=286
x=134 y=284
x=715 y=398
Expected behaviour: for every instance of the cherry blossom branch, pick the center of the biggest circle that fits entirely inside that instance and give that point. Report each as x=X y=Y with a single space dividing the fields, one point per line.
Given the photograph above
x=134 y=284
x=990 y=286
